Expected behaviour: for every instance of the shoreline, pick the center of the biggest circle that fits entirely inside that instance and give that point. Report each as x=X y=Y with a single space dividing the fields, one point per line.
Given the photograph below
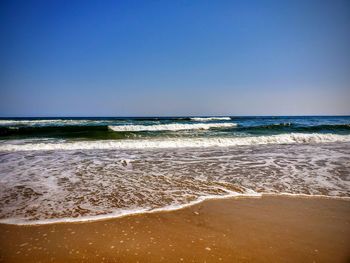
x=267 y=229
x=170 y=208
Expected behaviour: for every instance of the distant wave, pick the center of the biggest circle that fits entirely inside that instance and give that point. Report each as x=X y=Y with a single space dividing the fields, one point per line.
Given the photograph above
x=27 y=122
x=63 y=121
x=67 y=131
x=177 y=142
x=46 y=122
x=283 y=124
x=171 y=127
x=210 y=118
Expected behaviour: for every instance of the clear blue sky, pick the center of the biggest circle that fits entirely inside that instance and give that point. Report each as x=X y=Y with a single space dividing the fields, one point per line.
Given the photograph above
x=127 y=58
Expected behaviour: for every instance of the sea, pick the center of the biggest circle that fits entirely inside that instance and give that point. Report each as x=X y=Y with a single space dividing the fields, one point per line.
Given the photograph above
x=56 y=170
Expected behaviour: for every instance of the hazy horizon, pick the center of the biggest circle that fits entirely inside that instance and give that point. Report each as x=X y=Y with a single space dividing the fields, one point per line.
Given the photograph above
x=170 y=116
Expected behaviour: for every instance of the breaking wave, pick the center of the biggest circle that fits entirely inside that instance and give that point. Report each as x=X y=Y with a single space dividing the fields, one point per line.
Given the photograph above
x=210 y=119
x=171 y=127
x=301 y=138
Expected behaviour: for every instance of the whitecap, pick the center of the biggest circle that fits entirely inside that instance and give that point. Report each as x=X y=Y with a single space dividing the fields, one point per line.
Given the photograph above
x=171 y=127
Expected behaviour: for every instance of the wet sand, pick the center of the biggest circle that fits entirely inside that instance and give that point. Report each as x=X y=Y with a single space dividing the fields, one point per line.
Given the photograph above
x=268 y=229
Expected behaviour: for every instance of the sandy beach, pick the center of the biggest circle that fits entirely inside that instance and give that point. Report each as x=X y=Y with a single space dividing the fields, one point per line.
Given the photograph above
x=174 y=131
x=267 y=229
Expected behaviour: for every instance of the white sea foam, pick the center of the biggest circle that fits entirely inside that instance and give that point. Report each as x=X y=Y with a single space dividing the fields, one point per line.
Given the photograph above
x=175 y=142
x=210 y=118
x=126 y=212
x=171 y=127
x=83 y=185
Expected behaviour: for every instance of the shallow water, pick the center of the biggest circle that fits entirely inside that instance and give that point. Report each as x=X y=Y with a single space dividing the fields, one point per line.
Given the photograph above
x=66 y=169
x=36 y=186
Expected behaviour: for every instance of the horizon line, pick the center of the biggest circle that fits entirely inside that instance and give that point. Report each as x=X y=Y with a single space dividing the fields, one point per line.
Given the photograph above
x=178 y=116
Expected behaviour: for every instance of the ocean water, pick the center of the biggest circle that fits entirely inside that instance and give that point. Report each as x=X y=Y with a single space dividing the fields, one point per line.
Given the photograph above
x=76 y=169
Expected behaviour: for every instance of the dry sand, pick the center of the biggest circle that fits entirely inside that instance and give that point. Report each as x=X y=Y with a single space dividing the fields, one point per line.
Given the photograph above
x=268 y=229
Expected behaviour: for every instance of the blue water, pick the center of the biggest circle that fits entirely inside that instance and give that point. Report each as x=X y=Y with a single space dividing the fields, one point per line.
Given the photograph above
x=100 y=128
